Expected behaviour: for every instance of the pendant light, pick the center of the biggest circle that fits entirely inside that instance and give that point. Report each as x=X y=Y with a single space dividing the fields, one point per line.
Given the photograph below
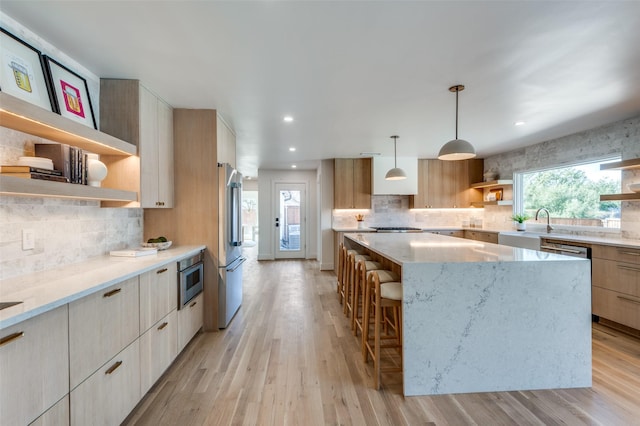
x=395 y=173
x=457 y=149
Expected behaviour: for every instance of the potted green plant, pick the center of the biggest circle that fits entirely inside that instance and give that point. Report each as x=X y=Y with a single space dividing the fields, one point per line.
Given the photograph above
x=519 y=219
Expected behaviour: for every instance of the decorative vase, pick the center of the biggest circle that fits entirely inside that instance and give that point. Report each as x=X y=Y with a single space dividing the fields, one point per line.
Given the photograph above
x=360 y=224
x=96 y=170
x=521 y=226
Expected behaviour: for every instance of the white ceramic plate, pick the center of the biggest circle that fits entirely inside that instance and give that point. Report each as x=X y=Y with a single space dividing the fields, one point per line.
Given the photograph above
x=159 y=246
x=635 y=187
x=40 y=162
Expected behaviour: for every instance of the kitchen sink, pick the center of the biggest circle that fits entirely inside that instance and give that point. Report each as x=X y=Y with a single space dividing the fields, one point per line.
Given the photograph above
x=528 y=240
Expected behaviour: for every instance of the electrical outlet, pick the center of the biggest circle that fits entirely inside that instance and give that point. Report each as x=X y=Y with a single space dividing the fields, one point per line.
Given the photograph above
x=28 y=239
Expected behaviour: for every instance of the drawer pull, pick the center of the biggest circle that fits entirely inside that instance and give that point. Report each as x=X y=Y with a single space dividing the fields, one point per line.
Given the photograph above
x=629 y=299
x=193 y=304
x=113 y=368
x=10 y=338
x=162 y=270
x=632 y=253
x=628 y=268
x=112 y=292
x=163 y=325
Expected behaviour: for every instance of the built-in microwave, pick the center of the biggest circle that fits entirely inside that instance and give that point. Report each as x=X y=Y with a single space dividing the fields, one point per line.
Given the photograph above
x=190 y=278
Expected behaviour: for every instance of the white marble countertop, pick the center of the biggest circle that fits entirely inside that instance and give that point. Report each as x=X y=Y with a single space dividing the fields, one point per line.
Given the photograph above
x=432 y=248
x=46 y=290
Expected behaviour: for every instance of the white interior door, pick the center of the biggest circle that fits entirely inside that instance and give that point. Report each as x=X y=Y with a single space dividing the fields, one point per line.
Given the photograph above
x=290 y=220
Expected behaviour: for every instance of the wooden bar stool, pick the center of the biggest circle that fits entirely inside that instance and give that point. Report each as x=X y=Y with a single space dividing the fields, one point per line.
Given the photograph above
x=363 y=270
x=352 y=258
x=379 y=297
x=343 y=270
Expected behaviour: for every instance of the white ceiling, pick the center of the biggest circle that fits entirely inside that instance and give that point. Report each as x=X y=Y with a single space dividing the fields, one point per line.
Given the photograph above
x=353 y=73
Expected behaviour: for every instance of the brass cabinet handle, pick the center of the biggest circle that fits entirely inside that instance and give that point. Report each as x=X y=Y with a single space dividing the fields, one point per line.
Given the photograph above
x=632 y=253
x=113 y=368
x=112 y=292
x=193 y=304
x=10 y=338
x=163 y=325
x=162 y=270
x=628 y=268
x=629 y=299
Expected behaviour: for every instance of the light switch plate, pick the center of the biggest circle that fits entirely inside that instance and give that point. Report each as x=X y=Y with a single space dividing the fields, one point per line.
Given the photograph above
x=28 y=239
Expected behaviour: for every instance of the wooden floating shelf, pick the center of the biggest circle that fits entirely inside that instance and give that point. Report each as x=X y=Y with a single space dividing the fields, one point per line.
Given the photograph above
x=493 y=203
x=620 y=197
x=492 y=183
x=622 y=165
x=19 y=115
x=42 y=188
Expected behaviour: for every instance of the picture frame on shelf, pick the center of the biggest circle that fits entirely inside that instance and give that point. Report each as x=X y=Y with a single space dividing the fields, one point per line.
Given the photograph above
x=70 y=93
x=496 y=194
x=22 y=71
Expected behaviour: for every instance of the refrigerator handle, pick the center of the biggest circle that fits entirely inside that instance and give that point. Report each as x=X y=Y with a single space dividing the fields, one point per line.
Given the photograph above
x=240 y=262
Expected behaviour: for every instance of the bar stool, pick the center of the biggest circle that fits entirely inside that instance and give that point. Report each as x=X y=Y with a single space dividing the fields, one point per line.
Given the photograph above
x=343 y=270
x=381 y=296
x=363 y=270
x=350 y=270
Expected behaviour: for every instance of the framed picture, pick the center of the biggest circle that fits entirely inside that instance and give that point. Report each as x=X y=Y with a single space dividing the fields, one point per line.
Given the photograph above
x=22 y=73
x=70 y=93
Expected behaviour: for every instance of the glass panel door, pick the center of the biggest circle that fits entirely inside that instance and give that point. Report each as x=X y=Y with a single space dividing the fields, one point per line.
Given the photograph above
x=290 y=221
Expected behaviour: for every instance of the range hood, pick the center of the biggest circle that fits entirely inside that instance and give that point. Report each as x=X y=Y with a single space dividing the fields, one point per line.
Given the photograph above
x=408 y=186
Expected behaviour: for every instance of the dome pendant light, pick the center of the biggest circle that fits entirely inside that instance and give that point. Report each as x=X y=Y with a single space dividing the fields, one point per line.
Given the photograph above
x=395 y=173
x=457 y=149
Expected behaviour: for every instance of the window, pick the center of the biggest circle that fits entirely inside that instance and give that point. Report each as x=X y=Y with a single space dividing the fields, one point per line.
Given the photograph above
x=571 y=194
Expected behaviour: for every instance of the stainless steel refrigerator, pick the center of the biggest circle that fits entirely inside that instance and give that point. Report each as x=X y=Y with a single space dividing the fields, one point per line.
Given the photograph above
x=230 y=258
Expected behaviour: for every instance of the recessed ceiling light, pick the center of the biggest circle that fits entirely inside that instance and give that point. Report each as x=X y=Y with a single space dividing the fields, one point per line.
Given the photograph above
x=519 y=123
x=292 y=149
x=288 y=118
x=293 y=166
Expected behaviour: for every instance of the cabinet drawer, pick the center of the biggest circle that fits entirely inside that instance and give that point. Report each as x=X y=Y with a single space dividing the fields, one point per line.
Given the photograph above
x=617 y=276
x=100 y=326
x=618 y=307
x=158 y=294
x=158 y=348
x=457 y=234
x=620 y=254
x=34 y=366
x=189 y=321
x=109 y=395
x=58 y=415
x=487 y=237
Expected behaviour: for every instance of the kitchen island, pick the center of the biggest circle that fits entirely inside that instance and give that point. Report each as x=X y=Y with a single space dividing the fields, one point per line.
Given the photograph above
x=480 y=317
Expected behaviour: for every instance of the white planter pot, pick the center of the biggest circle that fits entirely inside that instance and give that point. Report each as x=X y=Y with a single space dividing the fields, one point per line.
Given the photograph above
x=521 y=226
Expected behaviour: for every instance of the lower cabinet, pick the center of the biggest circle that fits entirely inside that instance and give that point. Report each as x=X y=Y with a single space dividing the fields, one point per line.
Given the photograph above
x=457 y=234
x=58 y=415
x=158 y=349
x=34 y=366
x=109 y=394
x=615 y=306
x=189 y=321
x=487 y=237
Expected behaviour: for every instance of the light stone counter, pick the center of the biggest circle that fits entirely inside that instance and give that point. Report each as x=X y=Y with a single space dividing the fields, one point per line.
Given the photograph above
x=480 y=317
x=44 y=291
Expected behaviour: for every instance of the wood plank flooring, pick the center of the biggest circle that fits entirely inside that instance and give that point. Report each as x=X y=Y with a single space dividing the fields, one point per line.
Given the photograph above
x=289 y=358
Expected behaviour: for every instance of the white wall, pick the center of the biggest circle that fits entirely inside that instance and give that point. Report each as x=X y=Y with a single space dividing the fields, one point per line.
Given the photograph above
x=267 y=206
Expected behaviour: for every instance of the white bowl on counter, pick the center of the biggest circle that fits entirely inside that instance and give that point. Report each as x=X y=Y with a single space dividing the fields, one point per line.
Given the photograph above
x=159 y=246
x=635 y=187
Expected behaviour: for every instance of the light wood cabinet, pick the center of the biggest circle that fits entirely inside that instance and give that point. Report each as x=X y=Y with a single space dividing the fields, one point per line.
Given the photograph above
x=487 y=237
x=158 y=348
x=352 y=183
x=190 y=319
x=446 y=184
x=616 y=284
x=226 y=143
x=130 y=111
x=458 y=234
x=109 y=394
x=100 y=326
x=58 y=415
x=34 y=366
x=158 y=294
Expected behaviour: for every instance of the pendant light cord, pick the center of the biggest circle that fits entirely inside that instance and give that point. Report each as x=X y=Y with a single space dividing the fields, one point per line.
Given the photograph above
x=457 y=91
x=395 y=154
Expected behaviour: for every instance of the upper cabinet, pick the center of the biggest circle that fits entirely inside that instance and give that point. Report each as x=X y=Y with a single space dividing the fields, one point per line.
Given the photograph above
x=226 y=143
x=130 y=111
x=352 y=183
x=22 y=116
x=446 y=184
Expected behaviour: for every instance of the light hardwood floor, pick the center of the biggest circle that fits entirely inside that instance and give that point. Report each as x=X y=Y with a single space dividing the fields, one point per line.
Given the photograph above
x=289 y=357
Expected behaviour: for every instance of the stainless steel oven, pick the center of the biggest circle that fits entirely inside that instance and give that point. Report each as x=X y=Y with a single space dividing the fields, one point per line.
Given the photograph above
x=190 y=278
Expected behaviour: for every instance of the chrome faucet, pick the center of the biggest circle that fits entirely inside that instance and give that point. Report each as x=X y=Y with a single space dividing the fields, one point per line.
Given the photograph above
x=549 y=228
